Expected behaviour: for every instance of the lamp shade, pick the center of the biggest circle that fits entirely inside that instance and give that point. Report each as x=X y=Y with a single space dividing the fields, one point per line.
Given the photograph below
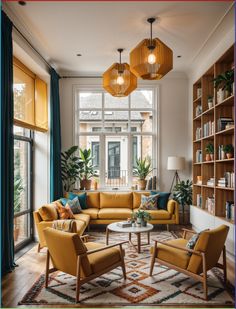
x=175 y=163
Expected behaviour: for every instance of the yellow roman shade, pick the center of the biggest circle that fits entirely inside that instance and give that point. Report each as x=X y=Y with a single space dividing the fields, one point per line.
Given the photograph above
x=30 y=98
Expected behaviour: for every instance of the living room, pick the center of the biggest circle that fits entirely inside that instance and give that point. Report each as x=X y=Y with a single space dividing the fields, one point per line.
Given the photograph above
x=117 y=153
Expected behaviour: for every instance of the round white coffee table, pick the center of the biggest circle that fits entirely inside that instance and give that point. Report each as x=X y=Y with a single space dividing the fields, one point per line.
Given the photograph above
x=130 y=230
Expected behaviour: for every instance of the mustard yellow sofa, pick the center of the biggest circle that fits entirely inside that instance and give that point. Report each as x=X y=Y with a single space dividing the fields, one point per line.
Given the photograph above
x=108 y=207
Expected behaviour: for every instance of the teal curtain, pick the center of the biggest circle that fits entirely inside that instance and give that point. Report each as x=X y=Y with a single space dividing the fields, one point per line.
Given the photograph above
x=6 y=147
x=55 y=139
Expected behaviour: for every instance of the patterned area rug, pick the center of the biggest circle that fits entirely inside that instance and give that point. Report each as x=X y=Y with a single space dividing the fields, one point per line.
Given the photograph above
x=166 y=286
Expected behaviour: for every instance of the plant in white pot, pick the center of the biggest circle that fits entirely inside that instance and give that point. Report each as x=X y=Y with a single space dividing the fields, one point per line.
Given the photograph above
x=87 y=170
x=210 y=101
x=142 y=170
x=224 y=85
x=142 y=217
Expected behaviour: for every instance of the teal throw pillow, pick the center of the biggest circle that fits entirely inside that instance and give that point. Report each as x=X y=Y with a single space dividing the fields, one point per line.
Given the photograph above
x=74 y=205
x=162 y=199
x=82 y=198
x=64 y=201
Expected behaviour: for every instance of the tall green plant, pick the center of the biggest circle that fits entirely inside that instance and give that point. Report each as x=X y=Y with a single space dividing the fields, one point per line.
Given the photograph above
x=183 y=193
x=143 y=168
x=225 y=81
x=18 y=190
x=87 y=170
x=70 y=168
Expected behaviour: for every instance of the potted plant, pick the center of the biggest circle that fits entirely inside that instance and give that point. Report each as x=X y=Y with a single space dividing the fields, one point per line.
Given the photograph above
x=142 y=217
x=142 y=170
x=209 y=152
x=183 y=194
x=18 y=190
x=210 y=101
x=87 y=170
x=224 y=83
x=229 y=151
x=70 y=167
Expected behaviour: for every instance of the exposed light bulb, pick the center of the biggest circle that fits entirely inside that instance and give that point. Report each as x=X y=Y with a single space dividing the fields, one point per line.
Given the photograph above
x=151 y=58
x=120 y=80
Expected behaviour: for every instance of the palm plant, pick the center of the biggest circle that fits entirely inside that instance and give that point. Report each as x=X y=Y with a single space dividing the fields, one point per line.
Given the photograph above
x=183 y=193
x=70 y=168
x=87 y=170
x=142 y=168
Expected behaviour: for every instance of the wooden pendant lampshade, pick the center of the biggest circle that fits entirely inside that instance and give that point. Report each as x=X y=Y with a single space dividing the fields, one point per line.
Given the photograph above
x=118 y=80
x=151 y=58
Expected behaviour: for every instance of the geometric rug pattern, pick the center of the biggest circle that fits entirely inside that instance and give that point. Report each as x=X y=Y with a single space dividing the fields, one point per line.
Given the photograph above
x=166 y=286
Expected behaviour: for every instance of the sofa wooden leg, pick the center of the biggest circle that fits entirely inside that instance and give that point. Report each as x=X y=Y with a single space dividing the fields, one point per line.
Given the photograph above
x=168 y=227
x=39 y=247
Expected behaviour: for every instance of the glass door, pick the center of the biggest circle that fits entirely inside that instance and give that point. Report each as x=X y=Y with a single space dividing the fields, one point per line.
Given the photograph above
x=22 y=187
x=113 y=160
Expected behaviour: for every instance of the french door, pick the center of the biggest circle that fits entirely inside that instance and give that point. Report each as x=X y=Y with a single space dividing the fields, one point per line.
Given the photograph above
x=113 y=160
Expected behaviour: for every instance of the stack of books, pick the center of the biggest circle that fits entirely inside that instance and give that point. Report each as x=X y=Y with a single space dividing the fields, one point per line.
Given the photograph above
x=210 y=204
x=199 y=200
x=222 y=122
x=229 y=177
x=198 y=133
x=211 y=182
x=124 y=224
x=198 y=156
x=208 y=128
x=221 y=182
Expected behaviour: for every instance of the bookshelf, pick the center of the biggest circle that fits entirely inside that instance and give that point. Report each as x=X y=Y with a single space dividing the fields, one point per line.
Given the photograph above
x=213 y=123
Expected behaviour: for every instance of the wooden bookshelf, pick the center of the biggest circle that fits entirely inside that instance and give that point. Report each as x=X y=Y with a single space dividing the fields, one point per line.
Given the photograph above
x=205 y=119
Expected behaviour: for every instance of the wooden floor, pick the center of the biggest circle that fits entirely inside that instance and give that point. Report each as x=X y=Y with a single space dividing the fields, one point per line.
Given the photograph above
x=31 y=265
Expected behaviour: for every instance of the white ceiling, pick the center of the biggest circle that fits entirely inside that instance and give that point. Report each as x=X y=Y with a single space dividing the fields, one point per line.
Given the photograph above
x=60 y=30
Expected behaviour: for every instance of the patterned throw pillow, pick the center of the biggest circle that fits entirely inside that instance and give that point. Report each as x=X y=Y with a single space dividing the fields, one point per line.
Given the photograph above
x=74 y=206
x=149 y=202
x=64 y=212
x=192 y=242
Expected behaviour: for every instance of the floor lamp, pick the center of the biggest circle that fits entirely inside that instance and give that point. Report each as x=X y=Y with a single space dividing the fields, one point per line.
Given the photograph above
x=175 y=164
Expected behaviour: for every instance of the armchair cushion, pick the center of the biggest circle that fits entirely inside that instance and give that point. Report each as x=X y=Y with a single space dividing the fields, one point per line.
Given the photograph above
x=65 y=225
x=102 y=259
x=173 y=256
x=48 y=212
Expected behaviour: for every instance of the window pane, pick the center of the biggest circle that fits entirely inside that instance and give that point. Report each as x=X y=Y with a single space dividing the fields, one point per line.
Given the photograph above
x=21 y=175
x=142 y=120
x=141 y=99
x=90 y=119
x=90 y=100
x=113 y=102
x=116 y=121
x=116 y=161
x=21 y=131
x=23 y=88
x=21 y=228
x=93 y=143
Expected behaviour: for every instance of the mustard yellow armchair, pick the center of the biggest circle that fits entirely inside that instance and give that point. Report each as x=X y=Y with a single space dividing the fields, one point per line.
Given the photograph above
x=194 y=263
x=86 y=261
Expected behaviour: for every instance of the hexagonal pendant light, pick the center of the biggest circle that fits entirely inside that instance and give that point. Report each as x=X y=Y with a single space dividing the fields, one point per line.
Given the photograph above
x=151 y=58
x=118 y=80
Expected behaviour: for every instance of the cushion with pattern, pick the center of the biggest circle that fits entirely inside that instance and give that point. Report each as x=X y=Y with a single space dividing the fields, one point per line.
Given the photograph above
x=149 y=202
x=74 y=206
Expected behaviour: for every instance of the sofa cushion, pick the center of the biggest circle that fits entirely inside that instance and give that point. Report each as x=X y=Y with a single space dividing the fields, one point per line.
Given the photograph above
x=92 y=212
x=173 y=256
x=162 y=200
x=74 y=205
x=137 y=198
x=48 y=212
x=158 y=214
x=64 y=212
x=149 y=202
x=81 y=196
x=116 y=200
x=102 y=259
x=83 y=217
x=114 y=213
x=93 y=199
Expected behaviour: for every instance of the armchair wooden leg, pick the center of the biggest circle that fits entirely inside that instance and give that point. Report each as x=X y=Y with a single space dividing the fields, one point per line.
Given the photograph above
x=153 y=259
x=224 y=265
x=204 y=276
x=77 y=280
x=47 y=269
x=39 y=247
x=123 y=268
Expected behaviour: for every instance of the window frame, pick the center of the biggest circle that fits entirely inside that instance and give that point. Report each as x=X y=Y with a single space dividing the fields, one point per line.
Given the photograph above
x=76 y=89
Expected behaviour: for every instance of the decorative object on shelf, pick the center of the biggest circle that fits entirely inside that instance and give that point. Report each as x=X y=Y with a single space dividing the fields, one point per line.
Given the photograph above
x=210 y=101
x=199 y=92
x=209 y=152
x=86 y=170
x=221 y=153
x=183 y=194
x=224 y=85
x=199 y=180
x=142 y=217
x=70 y=168
x=118 y=80
x=229 y=151
x=229 y=210
x=142 y=170
x=151 y=58
x=224 y=122
x=198 y=110
x=175 y=164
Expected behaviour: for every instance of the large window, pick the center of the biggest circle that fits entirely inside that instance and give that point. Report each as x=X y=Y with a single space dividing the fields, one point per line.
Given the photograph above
x=118 y=131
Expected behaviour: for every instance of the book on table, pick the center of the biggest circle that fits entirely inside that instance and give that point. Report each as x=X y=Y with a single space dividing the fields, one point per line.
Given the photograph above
x=124 y=224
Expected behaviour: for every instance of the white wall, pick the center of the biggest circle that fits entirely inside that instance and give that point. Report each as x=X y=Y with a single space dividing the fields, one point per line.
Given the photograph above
x=173 y=118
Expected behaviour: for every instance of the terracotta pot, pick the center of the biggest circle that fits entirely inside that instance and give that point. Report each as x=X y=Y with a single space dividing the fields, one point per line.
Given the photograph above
x=229 y=155
x=208 y=157
x=85 y=184
x=142 y=184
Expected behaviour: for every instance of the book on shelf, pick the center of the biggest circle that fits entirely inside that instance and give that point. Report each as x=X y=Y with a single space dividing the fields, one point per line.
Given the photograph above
x=229 y=210
x=198 y=110
x=221 y=154
x=198 y=133
x=211 y=182
x=198 y=156
x=210 y=204
x=199 y=200
x=222 y=122
x=208 y=128
x=229 y=179
x=124 y=224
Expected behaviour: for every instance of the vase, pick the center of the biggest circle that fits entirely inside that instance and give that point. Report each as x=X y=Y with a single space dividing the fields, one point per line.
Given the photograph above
x=85 y=184
x=143 y=223
x=229 y=155
x=142 y=184
x=208 y=157
x=212 y=156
